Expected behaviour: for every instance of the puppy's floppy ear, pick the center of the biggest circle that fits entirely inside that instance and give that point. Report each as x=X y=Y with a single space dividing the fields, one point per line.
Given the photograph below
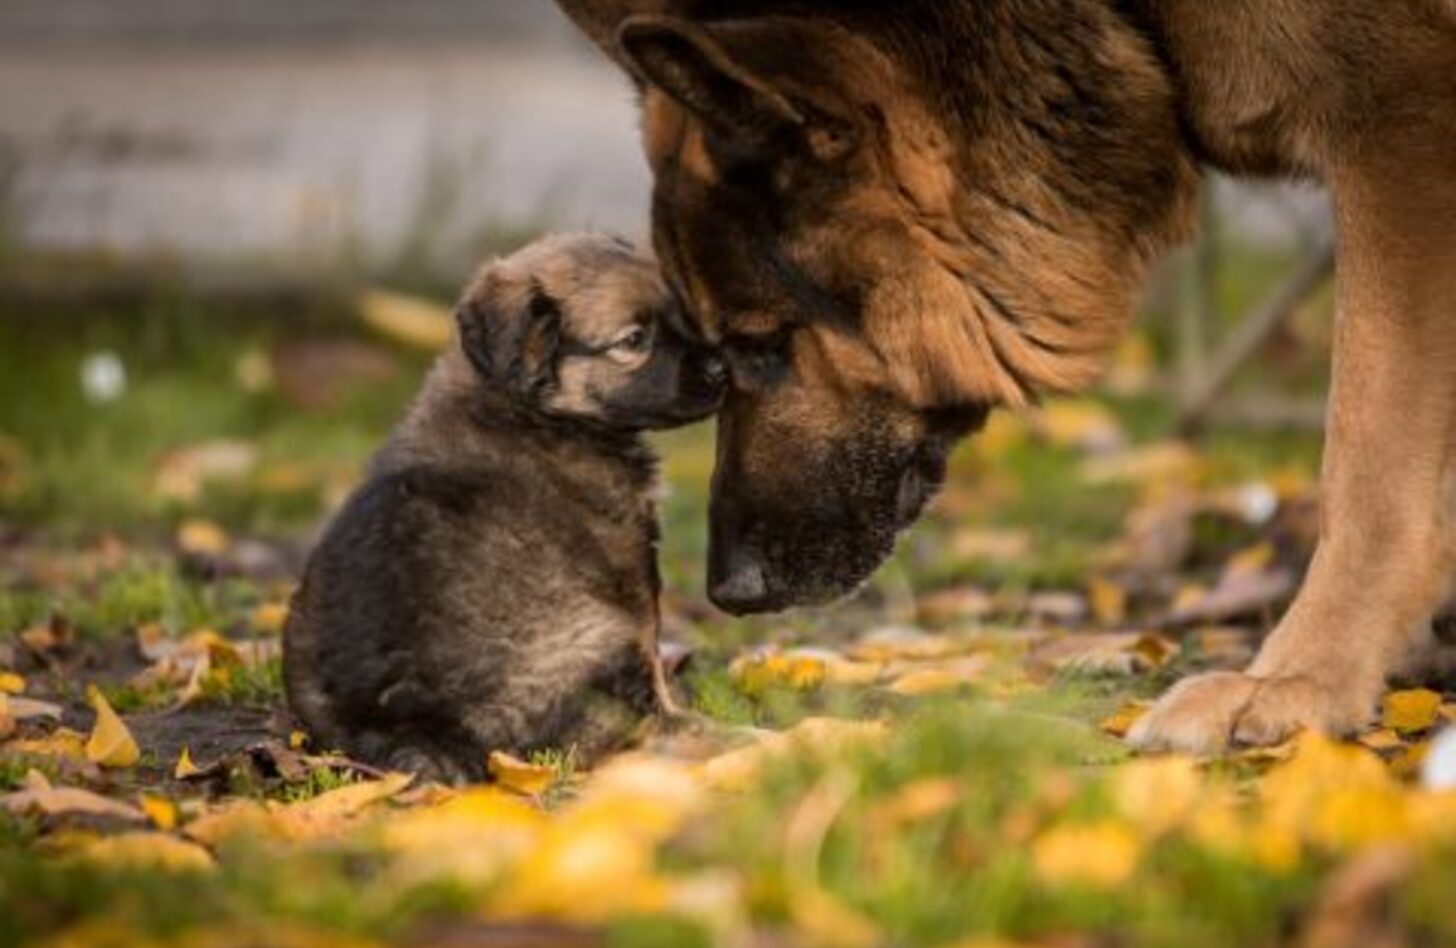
x=512 y=335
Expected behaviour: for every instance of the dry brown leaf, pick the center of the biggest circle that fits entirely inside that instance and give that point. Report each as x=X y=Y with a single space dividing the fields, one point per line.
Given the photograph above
x=1114 y=653
x=111 y=743
x=952 y=605
x=182 y=474
x=993 y=545
x=50 y=637
x=1237 y=594
x=40 y=797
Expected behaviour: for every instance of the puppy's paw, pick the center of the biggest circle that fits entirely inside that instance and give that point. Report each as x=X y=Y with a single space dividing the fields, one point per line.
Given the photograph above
x=1211 y=713
x=429 y=765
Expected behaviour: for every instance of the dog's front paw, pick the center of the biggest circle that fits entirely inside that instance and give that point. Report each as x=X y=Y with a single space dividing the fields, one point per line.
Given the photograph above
x=1211 y=713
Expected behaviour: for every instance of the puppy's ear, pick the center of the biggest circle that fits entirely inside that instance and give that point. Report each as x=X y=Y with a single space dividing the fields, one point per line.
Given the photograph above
x=512 y=335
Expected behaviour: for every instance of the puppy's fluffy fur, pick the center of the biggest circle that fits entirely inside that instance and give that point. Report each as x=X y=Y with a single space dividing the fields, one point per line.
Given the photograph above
x=493 y=586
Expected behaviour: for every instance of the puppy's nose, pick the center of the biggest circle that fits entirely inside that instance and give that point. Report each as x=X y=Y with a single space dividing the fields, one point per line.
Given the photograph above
x=741 y=588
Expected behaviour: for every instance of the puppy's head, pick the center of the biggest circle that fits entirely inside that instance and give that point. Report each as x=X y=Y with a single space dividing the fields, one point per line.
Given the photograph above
x=582 y=327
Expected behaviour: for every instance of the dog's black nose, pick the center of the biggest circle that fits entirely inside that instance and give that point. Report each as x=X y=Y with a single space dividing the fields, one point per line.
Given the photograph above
x=741 y=587
x=714 y=370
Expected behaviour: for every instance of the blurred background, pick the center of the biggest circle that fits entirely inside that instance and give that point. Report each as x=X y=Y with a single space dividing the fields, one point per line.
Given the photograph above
x=227 y=232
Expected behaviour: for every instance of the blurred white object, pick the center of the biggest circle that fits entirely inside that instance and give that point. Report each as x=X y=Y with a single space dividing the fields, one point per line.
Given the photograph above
x=1439 y=770
x=1258 y=503
x=103 y=377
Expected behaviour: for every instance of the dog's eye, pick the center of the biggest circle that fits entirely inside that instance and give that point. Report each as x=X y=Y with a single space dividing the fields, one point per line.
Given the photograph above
x=758 y=361
x=638 y=340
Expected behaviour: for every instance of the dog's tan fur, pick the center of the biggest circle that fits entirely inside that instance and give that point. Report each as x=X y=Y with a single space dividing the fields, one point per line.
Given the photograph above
x=973 y=189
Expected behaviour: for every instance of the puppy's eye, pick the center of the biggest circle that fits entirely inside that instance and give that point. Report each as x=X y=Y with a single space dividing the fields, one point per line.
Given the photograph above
x=638 y=340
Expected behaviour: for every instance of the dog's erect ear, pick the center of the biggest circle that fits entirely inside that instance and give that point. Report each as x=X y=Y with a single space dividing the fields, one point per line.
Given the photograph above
x=723 y=73
x=600 y=19
x=697 y=67
x=512 y=335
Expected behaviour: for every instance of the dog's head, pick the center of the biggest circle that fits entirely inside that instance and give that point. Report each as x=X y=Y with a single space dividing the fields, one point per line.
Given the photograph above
x=890 y=217
x=582 y=328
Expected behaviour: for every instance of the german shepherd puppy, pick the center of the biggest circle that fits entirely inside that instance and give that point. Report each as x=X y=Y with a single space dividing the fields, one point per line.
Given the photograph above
x=493 y=586
x=895 y=216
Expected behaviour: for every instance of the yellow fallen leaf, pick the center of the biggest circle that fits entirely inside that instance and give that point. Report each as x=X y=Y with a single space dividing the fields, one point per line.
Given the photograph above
x=185 y=767
x=7 y=723
x=62 y=742
x=472 y=837
x=416 y=322
x=916 y=801
x=1103 y=854
x=148 y=851
x=1254 y=559
x=1411 y=711
x=939 y=679
x=737 y=769
x=588 y=874
x=853 y=673
x=270 y=617
x=296 y=740
x=1108 y=601
x=237 y=819
x=1082 y=424
x=519 y=776
x=825 y=920
x=202 y=538
x=1382 y=739
x=758 y=673
x=328 y=813
x=110 y=744
x=898 y=643
x=1122 y=720
x=160 y=810
x=1157 y=795
x=11 y=683
x=650 y=797
x=1336 y=796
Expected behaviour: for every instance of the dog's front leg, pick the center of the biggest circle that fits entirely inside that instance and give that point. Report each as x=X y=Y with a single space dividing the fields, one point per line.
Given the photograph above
x=1388 y=529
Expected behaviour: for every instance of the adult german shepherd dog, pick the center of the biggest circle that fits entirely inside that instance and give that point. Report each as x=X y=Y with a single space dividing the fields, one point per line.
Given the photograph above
x=895 y=216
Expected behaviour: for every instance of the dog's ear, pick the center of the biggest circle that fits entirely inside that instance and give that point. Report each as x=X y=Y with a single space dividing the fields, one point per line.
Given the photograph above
x=600 y=19
x=708 y=71
x=512 y=335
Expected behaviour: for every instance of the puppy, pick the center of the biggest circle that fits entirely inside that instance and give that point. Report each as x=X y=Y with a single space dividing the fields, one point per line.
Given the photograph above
x=493 y=585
